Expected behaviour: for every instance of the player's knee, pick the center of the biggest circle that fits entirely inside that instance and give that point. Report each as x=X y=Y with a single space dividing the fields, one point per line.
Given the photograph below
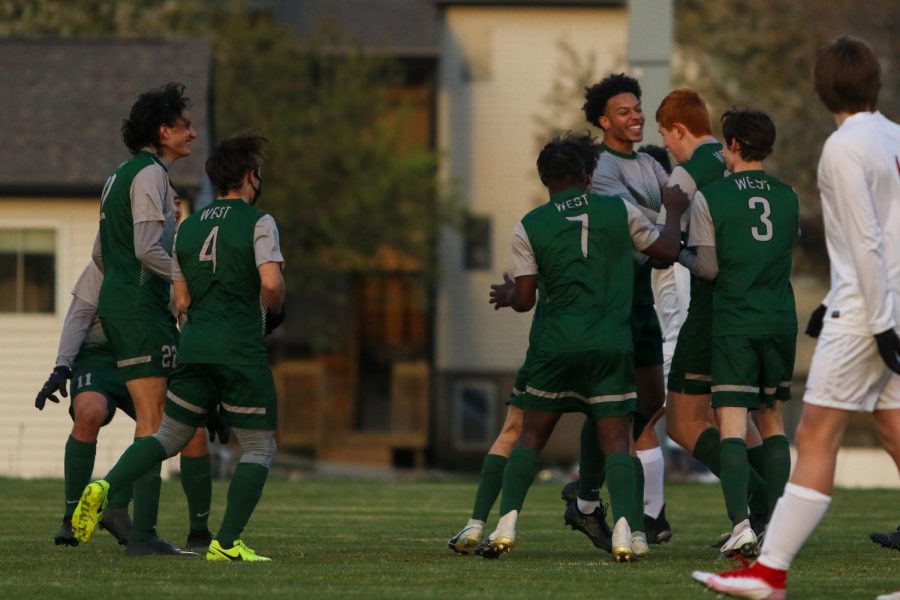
x=173 y=436
x=90 y=413
x=257 y=445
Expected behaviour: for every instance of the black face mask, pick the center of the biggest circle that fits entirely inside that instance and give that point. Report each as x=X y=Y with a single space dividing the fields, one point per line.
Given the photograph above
x=257 y=189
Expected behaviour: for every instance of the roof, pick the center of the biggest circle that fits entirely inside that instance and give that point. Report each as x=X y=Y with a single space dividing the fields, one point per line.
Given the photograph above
x=65 y=99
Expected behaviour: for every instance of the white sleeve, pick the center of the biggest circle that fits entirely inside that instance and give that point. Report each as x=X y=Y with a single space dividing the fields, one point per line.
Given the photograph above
x=643 y=231
x=524 y=262
x=853 y=207
x=682 y=179
x=148 y=192
x=266 y=243
x=703 y=231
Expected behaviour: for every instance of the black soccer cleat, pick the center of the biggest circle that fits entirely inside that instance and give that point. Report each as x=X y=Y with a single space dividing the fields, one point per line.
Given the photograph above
x=658 y=530
x=117 y=522
x=569 y=492
x=889 y=540
x=593 y=525
x=156 y=546
x=65 y=537
x=199 y=539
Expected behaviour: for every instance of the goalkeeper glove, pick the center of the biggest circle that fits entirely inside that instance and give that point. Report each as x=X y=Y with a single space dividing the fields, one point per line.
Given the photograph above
x=274 y=320
x=814 y=326
x=889 y=349
x=55 y=383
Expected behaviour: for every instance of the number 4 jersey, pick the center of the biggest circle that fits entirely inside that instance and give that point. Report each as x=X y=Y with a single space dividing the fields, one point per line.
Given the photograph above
x=752 y=219
x=218 y=250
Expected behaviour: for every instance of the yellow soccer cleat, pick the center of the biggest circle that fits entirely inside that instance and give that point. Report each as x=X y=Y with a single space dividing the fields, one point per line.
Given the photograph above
x=89 y=510
x=495 y=548
x=238 y=552
x=622 y=550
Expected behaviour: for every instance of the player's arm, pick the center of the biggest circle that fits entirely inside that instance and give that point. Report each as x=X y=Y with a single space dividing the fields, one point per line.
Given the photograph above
x=97 y=252
x=700 y=256
x=179 y=286
x=148 y=193
x=270 y=264
x=664 y=245
x=855 y=211
x=520 y=291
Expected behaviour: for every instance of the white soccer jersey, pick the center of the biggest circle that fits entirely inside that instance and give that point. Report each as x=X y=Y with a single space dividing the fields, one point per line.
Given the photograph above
x=638 y=178
x=859 y=182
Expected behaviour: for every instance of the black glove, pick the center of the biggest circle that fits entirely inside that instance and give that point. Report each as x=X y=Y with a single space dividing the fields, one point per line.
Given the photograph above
x=217 y=427
x=273 y=320
x=889 y=349
x=814 y=326
x=55 y=383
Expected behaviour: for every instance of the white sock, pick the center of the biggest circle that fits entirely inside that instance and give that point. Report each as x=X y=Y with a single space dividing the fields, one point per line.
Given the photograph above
x=586 y=507
x=654 y=476
x=475 y=523
x=506 y=526
x=796 y=516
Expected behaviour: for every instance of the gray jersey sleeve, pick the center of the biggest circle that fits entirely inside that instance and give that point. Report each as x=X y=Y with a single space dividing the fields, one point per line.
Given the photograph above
x=149 y=250
x=266 y=243
x=703 y=231
x=177 y=275
x=81 y=315
x=682 y=179
x=702 y=261
x=643 y=231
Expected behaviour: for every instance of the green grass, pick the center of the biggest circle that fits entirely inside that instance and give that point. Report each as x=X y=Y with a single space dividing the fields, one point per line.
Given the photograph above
x=387 y=540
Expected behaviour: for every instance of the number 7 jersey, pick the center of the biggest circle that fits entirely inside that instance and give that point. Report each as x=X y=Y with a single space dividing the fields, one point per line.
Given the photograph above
x=752 y=219
x=218 y=250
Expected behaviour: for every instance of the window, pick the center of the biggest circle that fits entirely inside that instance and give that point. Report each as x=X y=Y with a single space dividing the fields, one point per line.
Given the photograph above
x=474 y=410
x=27 y=271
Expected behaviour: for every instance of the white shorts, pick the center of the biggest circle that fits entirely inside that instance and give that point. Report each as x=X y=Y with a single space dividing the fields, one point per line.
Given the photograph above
x=847 y=373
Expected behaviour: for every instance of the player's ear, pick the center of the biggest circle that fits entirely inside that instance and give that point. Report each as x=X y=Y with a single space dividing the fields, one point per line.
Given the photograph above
x=603 y=122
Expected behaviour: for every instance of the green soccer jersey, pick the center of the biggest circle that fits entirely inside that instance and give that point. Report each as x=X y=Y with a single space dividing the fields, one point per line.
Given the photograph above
x=581 y=249
x=130 y=289
x=705 y=166
x=216 y=254
x=752 y=220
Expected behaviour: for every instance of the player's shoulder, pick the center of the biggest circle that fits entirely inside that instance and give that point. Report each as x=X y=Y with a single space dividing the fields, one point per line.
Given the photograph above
x=857 y=133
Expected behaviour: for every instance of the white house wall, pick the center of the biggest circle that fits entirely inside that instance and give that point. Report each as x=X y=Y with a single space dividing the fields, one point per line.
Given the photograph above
x=32 y=442
x=487 y=130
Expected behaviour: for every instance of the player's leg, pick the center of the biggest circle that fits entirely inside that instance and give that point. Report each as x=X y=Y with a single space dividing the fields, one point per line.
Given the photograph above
x=196 y=481
x=89 y=410
x=250 y=406
x=887 y=424
x=775 y=449
x=650 y=455
x=584 y=510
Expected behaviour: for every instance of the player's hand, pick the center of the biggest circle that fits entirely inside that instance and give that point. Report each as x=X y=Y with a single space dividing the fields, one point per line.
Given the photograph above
x=55 y=383
x=675 y=200
x=502 y=293
x=889 y=349
x=274 y=320
x=814 y=326
x=217 y=427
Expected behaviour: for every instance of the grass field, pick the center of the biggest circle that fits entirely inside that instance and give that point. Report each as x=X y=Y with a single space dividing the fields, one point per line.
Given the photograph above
x=387 y=540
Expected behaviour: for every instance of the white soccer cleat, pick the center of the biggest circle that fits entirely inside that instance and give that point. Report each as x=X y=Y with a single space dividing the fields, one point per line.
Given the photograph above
x=639 y=544
x=743 y=541
x=621 y=542
x=893 y=596
x=467 y=539
x=755 y=582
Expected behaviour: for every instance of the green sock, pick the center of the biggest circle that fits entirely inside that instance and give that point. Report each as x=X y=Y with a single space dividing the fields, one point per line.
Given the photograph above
x=140 y=465
x=78 y=465
x=734 y=477
x=622 y=483
x=591 y=468
x=638 y=494
x=777 y=454
x=518 y=476
x=755 y=457
x=121 y=497
x=489 y=486
x=706 y=450
x=196 y=481
x=244 y=492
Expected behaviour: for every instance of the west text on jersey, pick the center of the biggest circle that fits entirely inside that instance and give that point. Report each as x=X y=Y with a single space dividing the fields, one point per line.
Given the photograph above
x=214 y=212
x=572 y=203
x=752 y=183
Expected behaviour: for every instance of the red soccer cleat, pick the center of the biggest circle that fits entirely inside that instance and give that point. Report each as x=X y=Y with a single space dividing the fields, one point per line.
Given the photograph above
x=756 y=582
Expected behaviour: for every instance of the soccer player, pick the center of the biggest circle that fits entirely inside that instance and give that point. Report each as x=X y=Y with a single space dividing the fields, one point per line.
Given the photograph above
x=133 y=249
x=855 y=365
x=614 y=105
x=578 y=248
x=683 y=122
x=97 y=391
x=227 y=278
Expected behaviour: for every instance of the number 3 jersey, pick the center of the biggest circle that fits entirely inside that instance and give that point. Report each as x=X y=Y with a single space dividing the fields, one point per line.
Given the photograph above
x=752 y=220
x=218 y=250
x=580 y=245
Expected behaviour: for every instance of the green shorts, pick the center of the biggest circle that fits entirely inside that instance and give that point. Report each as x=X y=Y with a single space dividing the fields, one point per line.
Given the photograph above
x=89 y=376
x=246 y=395
x=752 y=372
x=690 y=370
x=647 y=336
x=143 y=348
x=599 y=383
x=522 y=375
